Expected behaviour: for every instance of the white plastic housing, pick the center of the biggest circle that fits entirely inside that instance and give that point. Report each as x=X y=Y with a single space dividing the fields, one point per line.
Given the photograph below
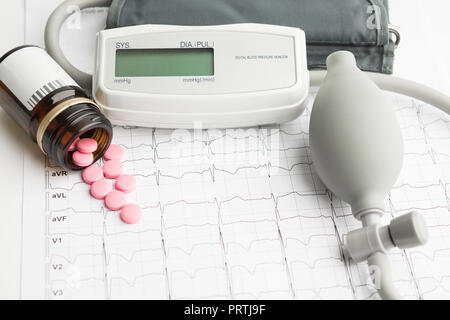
x=260 y=77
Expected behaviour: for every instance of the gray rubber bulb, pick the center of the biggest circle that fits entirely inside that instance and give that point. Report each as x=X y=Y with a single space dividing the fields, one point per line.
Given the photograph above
x=357 y=151
x=356 y=142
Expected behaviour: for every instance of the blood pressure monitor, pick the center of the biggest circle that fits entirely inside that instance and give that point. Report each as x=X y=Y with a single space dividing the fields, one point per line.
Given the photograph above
x=210 y=76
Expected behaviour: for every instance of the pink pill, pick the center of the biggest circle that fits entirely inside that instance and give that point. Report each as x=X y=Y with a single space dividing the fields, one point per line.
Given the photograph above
x=131 y=213
x=112 y=169
x=82 y=159
x=114 y=152
x=87 y=145
x=126 y=183
x=73 y=146
x=115 y=200
x=92 y=174
x=101 y=188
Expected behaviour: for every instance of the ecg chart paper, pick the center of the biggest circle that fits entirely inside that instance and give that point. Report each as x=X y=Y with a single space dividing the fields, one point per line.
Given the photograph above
x=230 y=214
x=237 y=214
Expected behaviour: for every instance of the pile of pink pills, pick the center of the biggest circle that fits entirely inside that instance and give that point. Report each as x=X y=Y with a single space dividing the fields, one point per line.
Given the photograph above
x=101 y=188
x=83 y=151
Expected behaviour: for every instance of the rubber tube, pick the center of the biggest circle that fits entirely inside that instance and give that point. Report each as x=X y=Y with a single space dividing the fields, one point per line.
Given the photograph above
x=51 y=37
x=398 y=85
x=379 y=263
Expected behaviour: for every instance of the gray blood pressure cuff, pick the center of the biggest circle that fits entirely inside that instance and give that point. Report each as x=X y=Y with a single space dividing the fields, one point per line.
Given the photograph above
x=359 y=26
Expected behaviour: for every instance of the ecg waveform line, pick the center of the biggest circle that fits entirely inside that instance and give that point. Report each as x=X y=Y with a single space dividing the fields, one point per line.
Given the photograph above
x=274 y=238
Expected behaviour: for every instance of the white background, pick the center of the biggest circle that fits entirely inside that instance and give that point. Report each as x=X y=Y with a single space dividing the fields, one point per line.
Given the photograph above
x=422 y=56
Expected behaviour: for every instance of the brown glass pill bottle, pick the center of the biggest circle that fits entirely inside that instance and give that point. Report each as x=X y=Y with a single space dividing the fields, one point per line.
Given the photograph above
x=44 y=100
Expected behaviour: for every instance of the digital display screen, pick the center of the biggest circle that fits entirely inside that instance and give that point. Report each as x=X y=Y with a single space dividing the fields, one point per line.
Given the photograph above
x=164 y=62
